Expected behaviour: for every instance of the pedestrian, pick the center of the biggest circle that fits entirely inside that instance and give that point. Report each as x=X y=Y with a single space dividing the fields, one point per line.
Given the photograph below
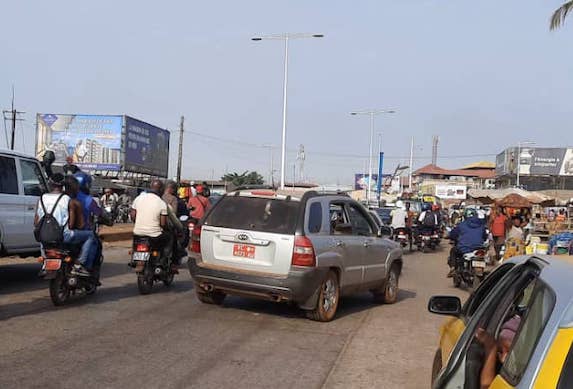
x=498 y=228
x=198 y=203
x=516 y=231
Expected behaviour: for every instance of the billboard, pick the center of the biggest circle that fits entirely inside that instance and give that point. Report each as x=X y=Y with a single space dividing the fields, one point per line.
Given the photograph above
x=536 y=161
x=146 y=148
x=92 y=141
x=362 y=180
x=454 y=192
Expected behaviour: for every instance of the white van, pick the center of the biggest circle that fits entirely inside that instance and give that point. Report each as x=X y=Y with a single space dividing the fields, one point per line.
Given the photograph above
x=22 y=181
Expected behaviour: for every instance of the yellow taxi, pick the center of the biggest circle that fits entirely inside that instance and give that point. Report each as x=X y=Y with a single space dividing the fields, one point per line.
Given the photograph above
x=525 y=308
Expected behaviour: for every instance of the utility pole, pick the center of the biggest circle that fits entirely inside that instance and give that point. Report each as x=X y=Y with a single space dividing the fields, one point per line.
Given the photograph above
x=300 y=158
x=180 y=156
x=13 y=118
x=411 y=170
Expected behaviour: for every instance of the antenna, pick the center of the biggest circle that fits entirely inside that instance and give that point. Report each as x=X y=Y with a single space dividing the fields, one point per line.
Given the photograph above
x=435 y=141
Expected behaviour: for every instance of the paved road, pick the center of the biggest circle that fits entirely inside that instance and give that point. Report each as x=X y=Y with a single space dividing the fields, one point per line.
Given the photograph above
x=119 y=339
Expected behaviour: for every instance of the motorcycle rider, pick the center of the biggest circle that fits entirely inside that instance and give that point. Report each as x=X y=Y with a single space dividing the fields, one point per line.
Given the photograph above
x=469 y=235
x=150 y=215
x=399 y=217
x=427 y=221
x=67 y=217
x=109 y=202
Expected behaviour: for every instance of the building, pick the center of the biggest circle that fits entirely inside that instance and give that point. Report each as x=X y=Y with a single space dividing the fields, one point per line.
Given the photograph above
x=454 y=183
x=535 y=168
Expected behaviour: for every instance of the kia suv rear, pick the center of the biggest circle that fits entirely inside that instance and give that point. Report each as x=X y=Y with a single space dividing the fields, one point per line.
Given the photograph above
x=284 y=246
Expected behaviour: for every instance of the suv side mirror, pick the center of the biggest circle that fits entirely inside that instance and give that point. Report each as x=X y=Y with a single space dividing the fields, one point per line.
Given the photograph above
x=445 y=305
x=385 y=231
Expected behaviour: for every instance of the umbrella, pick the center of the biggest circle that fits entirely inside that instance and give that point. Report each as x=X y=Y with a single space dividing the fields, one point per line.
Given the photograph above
x=514 y=200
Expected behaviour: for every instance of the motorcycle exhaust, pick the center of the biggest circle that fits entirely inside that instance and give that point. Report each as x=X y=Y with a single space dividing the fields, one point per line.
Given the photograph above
x=158 y=271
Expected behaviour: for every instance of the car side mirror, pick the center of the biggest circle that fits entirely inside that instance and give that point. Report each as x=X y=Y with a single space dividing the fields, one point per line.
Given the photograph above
x=445 y=305
x=343 y=228
x=385 y=231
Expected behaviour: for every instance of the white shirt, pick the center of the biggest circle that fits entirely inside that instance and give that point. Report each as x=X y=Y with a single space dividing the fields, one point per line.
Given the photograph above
x=150 y=208
x=61 y=213
x=515 y=233
x=399 y=218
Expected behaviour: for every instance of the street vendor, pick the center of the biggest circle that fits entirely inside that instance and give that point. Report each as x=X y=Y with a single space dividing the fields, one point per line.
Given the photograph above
x=516 y=230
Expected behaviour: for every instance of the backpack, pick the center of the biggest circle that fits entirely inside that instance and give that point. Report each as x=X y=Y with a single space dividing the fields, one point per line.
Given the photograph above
x=429 y=219
x=48 y=230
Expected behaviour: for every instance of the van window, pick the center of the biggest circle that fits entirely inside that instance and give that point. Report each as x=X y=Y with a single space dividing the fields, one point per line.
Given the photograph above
x=8 y=178
x=315 y=218
x=32 y=178
x=360 y=225
x=255 y=214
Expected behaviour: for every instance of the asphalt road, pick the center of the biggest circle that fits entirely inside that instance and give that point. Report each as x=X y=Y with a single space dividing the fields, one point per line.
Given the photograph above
x=119 y=339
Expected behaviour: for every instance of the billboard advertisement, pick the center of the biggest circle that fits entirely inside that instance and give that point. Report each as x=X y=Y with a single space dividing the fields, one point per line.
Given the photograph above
x=146 y=148
x=92 y=141
x=362 y=180
x=454 y=192
x=536 y=161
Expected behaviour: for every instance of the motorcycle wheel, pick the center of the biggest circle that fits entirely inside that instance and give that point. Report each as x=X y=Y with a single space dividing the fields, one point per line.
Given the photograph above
x=59 y=290
x=144 y=282
x=457 y=280
x=168 y=280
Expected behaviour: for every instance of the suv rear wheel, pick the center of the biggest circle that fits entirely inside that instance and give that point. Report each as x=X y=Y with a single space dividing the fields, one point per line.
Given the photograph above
x=213 y=297
x=327 y=299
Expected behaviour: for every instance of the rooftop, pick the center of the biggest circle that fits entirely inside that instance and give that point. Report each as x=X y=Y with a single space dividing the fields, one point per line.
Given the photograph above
x=438 y=171
x=480 y=165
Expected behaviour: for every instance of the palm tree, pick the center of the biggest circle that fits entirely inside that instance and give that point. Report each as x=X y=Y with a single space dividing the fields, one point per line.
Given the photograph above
x=560 y=14
x=245 y=178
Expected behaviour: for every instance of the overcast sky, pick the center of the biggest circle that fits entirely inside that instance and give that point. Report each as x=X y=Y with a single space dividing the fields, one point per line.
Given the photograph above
x=481 y=75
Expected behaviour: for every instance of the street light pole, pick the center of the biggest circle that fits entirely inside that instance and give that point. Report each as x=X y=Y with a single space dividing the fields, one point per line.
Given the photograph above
x=286 y=38
x=371 y=113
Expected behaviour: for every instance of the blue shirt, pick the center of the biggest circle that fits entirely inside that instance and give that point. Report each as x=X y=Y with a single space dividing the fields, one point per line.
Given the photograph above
x=89 y=207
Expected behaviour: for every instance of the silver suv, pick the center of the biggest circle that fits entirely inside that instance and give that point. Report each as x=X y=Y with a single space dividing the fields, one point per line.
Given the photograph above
x=307 y=248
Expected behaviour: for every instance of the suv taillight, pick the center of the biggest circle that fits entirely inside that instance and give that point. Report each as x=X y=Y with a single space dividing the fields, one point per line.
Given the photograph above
x=196 y=239
x=303 y=252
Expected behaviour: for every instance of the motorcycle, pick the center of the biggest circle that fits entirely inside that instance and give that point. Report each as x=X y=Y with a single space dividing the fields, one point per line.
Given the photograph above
x=57 y=266
x=150 y=263
x=427 y=240
x=122 y=214
x=470 y=268
x=402 y=236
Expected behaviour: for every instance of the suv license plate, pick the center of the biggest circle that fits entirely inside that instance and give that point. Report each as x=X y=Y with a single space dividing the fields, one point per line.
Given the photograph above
x=244 y=251
x=478 y=264
x=140 y=256
x=401 y=236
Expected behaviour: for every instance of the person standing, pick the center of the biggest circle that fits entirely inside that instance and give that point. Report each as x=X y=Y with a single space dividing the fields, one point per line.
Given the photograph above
x=498 y=228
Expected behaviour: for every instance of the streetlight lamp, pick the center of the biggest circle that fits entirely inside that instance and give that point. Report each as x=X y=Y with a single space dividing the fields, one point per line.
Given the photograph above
x=286 y=37
x=371 y=113
x=519 y=146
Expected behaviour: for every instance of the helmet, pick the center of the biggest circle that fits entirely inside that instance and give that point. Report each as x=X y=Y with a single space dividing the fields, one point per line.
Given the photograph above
x=85 y=181
x=426 y=206
x=469 y=212
x=399 y=204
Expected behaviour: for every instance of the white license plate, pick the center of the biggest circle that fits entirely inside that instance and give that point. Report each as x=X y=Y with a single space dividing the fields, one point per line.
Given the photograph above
x=140 y=256
x=401 y=236
x=478 y=264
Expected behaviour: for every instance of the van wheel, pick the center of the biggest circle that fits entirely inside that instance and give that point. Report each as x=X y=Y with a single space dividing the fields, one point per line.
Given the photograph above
x=436 y=366
x=327 y=299
x=214 y=297
x=388 y=294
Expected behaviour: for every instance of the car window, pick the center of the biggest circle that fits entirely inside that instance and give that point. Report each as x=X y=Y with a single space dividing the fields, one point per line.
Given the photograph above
x=566 y=379
x=360 y=224
x=8 y=178
x=315 y=217
x=476 y=298
x=255 y=214
x=538 y=306
x=32 y=178
x=337 y=216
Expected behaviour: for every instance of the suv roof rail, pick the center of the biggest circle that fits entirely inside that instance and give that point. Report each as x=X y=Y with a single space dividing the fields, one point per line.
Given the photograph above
x=251 y=187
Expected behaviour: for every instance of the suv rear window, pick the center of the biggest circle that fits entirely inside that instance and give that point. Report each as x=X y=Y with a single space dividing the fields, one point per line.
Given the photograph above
x=255 y=214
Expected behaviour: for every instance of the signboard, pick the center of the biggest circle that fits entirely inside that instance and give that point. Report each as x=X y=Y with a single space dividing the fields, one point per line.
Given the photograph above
x=92 y=141
x=456 y=192
x=146 y=148
x=536 y=161
x=362 y=180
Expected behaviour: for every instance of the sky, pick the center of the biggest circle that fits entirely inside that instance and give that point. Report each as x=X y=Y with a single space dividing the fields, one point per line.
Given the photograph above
x=480 y=75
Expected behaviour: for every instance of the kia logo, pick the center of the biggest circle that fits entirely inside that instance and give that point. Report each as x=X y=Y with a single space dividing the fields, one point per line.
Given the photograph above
x=243 y=237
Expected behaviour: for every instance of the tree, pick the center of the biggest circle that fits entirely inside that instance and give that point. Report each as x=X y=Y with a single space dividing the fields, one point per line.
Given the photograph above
x=559 y=16
x=245 y=178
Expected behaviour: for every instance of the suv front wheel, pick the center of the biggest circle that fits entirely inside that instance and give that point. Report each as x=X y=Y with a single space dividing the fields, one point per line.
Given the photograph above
x=327 y=299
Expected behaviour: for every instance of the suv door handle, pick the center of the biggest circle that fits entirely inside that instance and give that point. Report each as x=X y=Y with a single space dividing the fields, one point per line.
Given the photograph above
x=340 y=243
x=366 y=244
